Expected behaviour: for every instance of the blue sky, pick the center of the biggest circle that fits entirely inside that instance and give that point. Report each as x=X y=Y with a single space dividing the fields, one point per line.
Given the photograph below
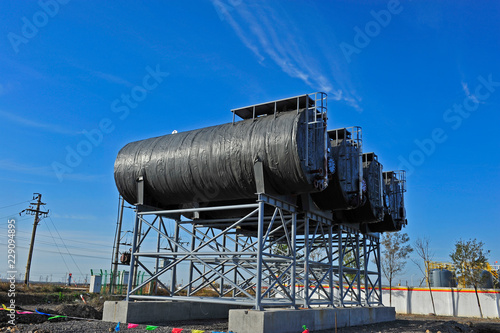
x=422 y=78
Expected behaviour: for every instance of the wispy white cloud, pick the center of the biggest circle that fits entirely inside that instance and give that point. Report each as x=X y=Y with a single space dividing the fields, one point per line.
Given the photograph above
x=5 y=88
x=269 y=35
x=83 y=177
x=10 y=165
x=338 y=95
x=36 y=124
x=24 y=181
x=45 y=171
x=467 y=93
x=74 y=217
x=108 y=77
x=112 y=78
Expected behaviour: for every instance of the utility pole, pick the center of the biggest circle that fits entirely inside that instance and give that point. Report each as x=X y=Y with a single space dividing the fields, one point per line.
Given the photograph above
x=38 y=216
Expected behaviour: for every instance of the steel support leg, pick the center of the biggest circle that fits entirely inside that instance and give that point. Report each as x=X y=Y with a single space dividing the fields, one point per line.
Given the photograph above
x=132 y=255
x=365 y=269
x=330 y=261
x=221 y=287
x=235 y=275
x=379 y=273
x=341 y=266
x=358 y=268
x=260 y=245
x=176 y=248
x=191 y=264
x=306 y=262
x=293 y=254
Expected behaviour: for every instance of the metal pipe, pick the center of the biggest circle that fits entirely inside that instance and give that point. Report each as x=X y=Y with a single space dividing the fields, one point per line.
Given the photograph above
x=201 y=209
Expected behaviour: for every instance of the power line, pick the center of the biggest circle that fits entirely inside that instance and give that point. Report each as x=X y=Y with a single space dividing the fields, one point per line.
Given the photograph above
x=52 y=243
x=10 y=215
x=76 y=255
x=57 y=246
x=82 y=242
x=14 y=204
x=65 y=246
x=17 y=220
x=69 y=239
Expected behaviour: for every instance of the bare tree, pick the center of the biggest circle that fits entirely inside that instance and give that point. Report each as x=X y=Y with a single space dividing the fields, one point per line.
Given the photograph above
x=470 y=260
x=422 y=247
x=394 y=255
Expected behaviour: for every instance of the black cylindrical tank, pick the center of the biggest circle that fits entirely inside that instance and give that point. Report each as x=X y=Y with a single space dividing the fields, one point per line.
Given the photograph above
x=217 y=163
x=394 y=183
x=344 y=158
x=372 y=210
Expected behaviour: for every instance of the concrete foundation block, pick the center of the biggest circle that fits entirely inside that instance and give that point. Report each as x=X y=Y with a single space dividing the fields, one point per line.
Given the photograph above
x=151 y=312
x=291 y=321
x=380 y=314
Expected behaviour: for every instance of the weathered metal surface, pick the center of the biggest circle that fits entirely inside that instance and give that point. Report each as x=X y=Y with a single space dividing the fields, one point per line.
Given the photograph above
x=217 y=163
x=372 y=210
x=344 y=158
x=394 y=206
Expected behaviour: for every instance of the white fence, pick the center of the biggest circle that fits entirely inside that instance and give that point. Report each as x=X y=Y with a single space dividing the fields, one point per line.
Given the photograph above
x=448 y=301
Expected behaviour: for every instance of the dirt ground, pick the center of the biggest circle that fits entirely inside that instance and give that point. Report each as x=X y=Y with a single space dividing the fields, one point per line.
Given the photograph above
x=69 y=303
x=404 y=323
x=430 y=324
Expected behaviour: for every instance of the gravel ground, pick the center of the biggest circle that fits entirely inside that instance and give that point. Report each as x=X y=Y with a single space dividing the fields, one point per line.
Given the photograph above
x=428 y=324
x=101 y=326
x=404 y=323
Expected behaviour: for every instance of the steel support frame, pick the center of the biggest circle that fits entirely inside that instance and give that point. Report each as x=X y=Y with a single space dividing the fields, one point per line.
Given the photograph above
x=372 y=277
x=349 y=270
x=255 y=267
x=287 y=258
x=359 y=269
x=315 y=266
